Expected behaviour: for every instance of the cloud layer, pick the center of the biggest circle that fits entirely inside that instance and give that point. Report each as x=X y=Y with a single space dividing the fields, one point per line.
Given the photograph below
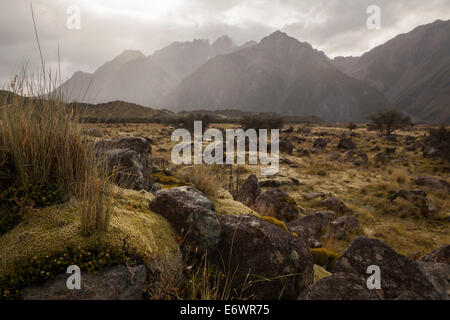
x=338 y=27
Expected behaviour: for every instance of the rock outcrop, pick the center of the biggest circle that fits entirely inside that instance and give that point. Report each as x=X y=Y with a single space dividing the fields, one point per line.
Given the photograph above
x=130 y=159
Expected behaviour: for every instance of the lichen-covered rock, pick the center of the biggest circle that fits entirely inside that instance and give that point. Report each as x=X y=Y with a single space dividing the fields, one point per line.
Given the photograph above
x=340 y=286
x=249 y=191
x=275 y=263
x=345 y=226
x=177 y=204
x=313 y=225
x=191 y=214
x=118 y=283
x=400 y=276
x=130 y=159
x=278 y=204
x=441 y=255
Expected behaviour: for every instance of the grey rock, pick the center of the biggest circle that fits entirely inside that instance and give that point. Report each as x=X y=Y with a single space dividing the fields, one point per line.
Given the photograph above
x=432 y=183
x=312 y=225
x=345 y=226
x=441 y=255
x=130 y=159
x=334 y=204
x=118 y=283
x=249 y=191
x=341 y=286
x=400 y=276
x=276 y=264
x=278 y=204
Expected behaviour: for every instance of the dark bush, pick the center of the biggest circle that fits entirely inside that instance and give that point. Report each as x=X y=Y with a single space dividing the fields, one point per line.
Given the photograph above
x=386 y=122
x=187 y=122
x=261 y=122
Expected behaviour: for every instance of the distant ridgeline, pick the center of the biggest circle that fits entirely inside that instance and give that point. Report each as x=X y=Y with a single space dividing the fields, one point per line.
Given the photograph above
x=125 y=112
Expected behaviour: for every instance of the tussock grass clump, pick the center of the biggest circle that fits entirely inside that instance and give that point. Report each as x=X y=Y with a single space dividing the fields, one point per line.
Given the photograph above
x=206 y=179
x=44 y=145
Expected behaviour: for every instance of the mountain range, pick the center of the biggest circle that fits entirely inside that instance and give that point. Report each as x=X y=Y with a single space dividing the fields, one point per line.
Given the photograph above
x=412 y=70
x=281 y=74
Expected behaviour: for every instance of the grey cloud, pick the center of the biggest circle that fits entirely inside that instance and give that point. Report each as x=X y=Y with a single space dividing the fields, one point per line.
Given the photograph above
x=338 y=27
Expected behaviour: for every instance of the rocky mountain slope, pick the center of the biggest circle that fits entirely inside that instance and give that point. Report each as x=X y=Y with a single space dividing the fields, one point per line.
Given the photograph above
x=279 y=74
x=412 y=70
x=140 y=79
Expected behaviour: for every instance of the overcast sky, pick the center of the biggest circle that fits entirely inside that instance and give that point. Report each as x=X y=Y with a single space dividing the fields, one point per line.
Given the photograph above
x=338 y=27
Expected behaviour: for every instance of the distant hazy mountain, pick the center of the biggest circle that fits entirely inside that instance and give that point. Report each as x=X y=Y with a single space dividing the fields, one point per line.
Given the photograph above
x=280 y=74
x=412 y=70
x=135 y=78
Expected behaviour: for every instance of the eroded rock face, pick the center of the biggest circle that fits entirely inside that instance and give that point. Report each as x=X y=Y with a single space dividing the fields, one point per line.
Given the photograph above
x=118 y=283
x=340 y=286
x=278 y=204
x=313 y=225
x=254 y=247
x=130 y=158
x=249 y=191
x=401 y=278
x=441 y=255
x=191 y=214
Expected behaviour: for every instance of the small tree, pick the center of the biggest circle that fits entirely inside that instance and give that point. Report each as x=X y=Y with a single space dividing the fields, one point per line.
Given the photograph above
x=386 y=122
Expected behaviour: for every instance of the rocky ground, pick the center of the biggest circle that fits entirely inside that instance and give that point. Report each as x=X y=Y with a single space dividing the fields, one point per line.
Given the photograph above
x=342 y=201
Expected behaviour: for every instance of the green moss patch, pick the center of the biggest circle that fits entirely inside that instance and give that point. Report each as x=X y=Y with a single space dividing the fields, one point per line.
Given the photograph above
x=324 y=258
x=49 y=240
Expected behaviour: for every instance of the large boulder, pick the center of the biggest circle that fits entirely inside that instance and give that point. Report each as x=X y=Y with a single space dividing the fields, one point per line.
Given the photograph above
x=401 y=278
x=441 y=255
x=191 y=214
x=340 y=286
x=117 y=283
x=273 y=263
x=278 y=204
x=312 y=226
x=130 y=159
x=249 y=191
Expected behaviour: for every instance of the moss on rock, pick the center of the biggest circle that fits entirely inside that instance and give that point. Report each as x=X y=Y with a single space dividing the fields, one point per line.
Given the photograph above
x=225 y=204
x=276 y=222
x=320 y=273
x=324 y=257
x=49 y=240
